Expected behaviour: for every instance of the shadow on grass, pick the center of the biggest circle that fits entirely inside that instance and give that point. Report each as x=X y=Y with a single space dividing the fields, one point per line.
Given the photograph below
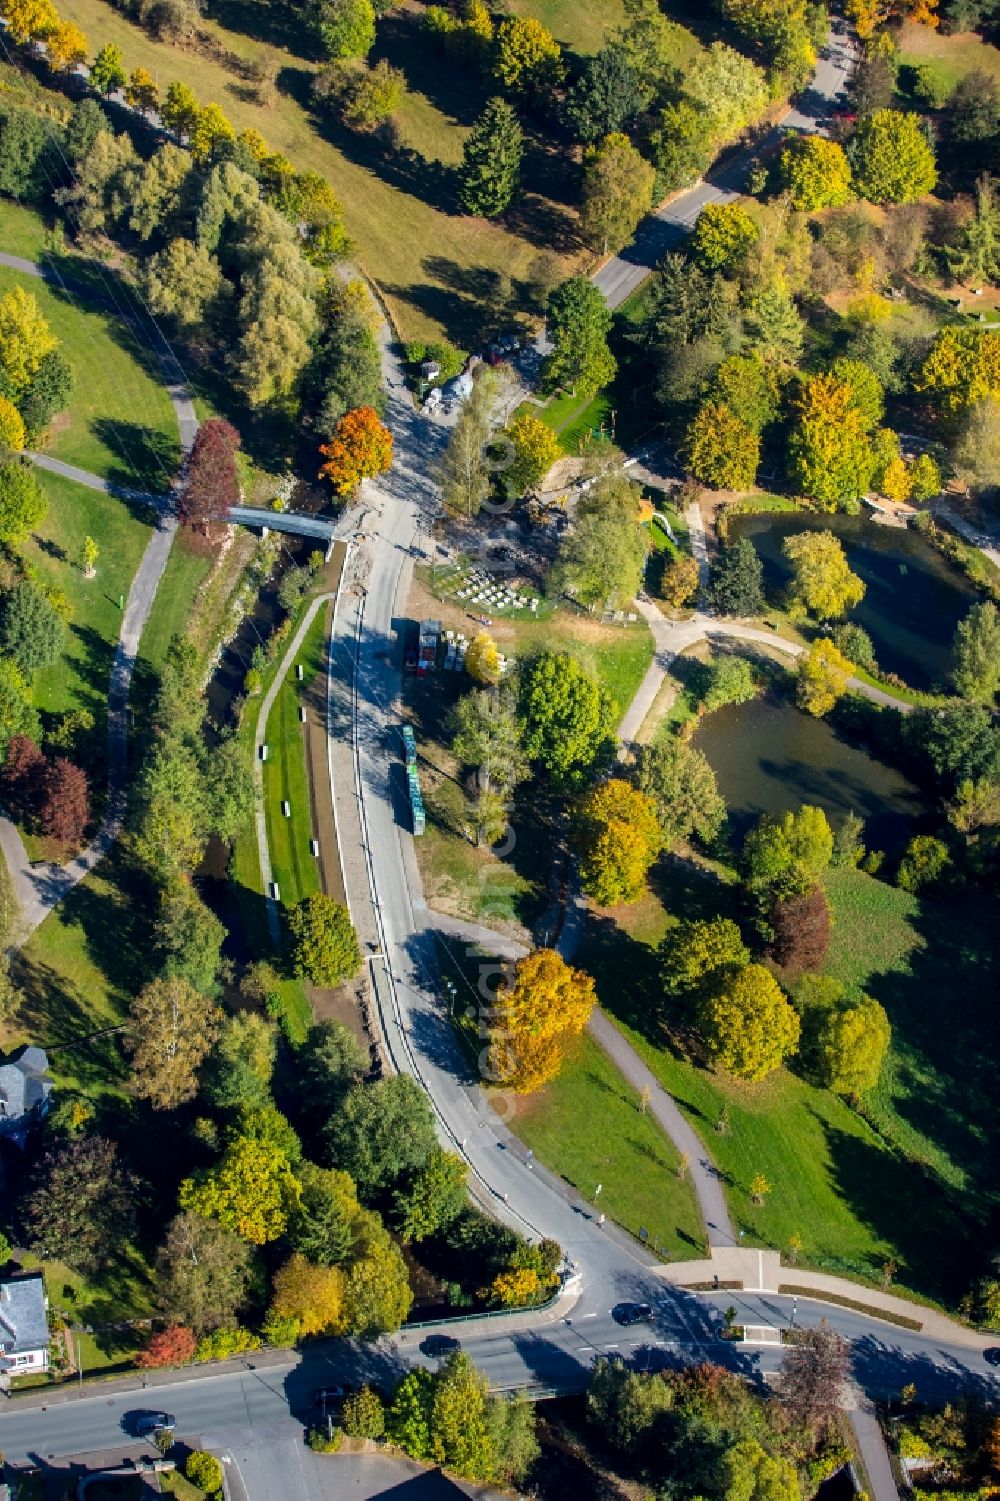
x=145 y=459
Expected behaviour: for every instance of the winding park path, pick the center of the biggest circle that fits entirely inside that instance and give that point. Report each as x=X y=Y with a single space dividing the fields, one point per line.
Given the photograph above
x=39 y=886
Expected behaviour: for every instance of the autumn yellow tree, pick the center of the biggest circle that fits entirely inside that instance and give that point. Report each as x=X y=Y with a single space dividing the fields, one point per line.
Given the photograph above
x=141 y=91
x=679 y=584
x=313 y=1297
x=822 y=582
x=748 y=1024
x=251 y=1191
x=12 y=434
x=360 y=448
x=28 y=20
x=210 y=129
x=482 y=660
x=170 y=1031
x=25 y=340
x=66 y=45
x=536 y=1015
x=618 y=835
x=823 y=674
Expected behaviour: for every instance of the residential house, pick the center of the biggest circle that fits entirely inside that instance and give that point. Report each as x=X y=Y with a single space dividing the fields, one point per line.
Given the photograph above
x=24 y=1328
x=25 y=1087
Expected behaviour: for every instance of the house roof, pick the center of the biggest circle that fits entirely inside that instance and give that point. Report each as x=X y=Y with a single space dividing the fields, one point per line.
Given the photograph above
x=23 y=1325
x=24 y=1082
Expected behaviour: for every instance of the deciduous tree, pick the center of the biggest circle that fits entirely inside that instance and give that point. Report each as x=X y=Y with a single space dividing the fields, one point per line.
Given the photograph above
x=188 y=937
x=801 y=925
x=251 y=1191
x=976 y=653
x=107 y=71
x=603 y=557
x=535 y=448
x=605 y=98
x=381 y=1132
x=17 y=717
x=311 y=1296
x=360 y=448
x=379 y=1296
x=491 y=161
x=373 y=95
x=816 y=174
x=748 y=1024
x=536 y=1016
x=720 y=450
x=211 y=484
x=568 y=718
x=202 y=1273
x=813 y=1375
x=579 y=322
x=680 y=582
x=617 y=193
x=695 y=952
x=683 y=788
x=893 y=160
x=527 y=59
x=830 y=454
x=141 y=91
x=326 y=945
x=434 y=1199
x=482 y=659
x=32 y=632
x=851 y=1046
x=12 y=434
x=64 y=802
x=724 y=235
x=66 y=46
x=80 y=1203
x=346 y=28
x=179 y=110
x=787 y=856
x=924 y=862
x=171 y=1030
x=618 y=836
x=822 y=677
x=822 y=582
x=204 y=1471
x=25 y=340
x=172 y=1346
x=29 y=20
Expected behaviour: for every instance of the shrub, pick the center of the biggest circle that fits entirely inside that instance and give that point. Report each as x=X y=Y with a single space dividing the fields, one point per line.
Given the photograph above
x=364 y=1414
x=204 y=1471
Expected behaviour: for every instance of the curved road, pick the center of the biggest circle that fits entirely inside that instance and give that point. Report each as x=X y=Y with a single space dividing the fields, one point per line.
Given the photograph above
x=38 y=887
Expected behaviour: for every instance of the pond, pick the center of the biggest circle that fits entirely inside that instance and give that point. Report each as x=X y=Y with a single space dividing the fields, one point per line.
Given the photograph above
x=914 y=598
x=770 y=757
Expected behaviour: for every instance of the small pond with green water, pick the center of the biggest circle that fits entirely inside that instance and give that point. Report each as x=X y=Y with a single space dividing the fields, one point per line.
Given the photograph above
x=770 y=757
x=914 y=598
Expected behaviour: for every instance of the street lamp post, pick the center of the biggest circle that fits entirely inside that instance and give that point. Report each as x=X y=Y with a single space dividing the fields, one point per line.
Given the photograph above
x=795 y=1305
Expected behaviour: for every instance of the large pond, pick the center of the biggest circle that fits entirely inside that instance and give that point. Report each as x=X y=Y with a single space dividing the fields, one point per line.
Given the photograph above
x=769 y=757
x=914 y=598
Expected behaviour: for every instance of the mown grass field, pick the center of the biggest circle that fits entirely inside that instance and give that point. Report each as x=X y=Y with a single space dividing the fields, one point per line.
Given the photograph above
x=184 y=575
x=949 y=58
x=913 y=1182
x=79 y=679
x=286 y=777
x=587 y=1126
x=119 y=423
x=436 y=268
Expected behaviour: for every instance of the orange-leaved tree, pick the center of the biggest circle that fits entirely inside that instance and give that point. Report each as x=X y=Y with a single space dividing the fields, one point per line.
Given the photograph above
x=360 y=448
x=535 y=1018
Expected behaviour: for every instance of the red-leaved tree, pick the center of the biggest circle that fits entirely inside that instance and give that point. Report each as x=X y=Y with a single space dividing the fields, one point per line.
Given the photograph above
x=360 y=448
x=21 y=776
x=801 y=931
x=64 y=810
x=173 y=1346
x=211 y=483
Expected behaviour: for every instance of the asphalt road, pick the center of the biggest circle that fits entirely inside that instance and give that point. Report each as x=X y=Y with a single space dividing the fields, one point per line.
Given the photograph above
x=619 y=277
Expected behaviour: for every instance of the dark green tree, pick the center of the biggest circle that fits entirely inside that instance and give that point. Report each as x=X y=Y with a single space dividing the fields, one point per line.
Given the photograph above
x=80 y=1204
x=579 y=322
x=32 y=633
x=188 y=937
x=381 y=1132
x=48 y=393
x=736 y=585
x=605 y=98
x=491 y=161
x=22 y=143
x=568 y=719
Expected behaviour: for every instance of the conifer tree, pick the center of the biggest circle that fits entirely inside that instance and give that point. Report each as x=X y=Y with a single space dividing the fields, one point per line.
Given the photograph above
x=491 y=161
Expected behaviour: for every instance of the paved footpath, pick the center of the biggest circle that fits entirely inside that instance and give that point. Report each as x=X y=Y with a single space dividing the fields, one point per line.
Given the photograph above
x=39 y=886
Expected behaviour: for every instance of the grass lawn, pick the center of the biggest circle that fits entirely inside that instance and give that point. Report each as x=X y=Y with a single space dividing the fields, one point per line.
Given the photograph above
x=23 y=231
x=119 y=423
x=185 y=573
x=294 y=868
x=100 y=1353
x=949 y=58
x=79 y=680
x=854 y=1194
x=587 y=1126
x=435 y=268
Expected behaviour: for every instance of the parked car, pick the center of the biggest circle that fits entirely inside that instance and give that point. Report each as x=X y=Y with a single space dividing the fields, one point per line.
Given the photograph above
x=148 y=1423
x=326 y=1397
x=992 y=1355
x=632 y=1313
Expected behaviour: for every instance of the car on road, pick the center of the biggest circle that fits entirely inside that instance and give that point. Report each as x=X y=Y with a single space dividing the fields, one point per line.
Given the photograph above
x=144 y=1424
x=439 y=1344
x=991 y=1355
x=632 y=1313
x=326 y=1397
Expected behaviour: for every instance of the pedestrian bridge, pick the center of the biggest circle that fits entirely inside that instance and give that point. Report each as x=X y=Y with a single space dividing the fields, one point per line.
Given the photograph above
x=301 y=524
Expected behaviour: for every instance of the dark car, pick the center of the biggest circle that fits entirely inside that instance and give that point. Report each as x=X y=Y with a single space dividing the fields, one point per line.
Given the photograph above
x=633 y=1313
x=992 y=1355
x=330 y=1396
x=144 y=1423
x=439 y=1344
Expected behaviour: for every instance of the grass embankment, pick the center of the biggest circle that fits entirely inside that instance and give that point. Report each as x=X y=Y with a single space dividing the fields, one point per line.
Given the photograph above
x=917 y=1189
x=119 y=423
x=80 y=678
x=588 y=1126
x=286 y=776
x=436 y=269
